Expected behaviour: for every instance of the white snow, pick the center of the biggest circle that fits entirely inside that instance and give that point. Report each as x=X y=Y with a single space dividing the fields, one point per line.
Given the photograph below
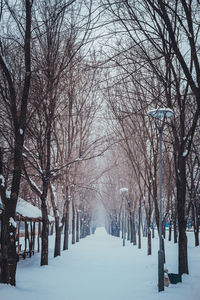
x=5 y=62
x=78 y=159
x=2 y=180
x=100 y=268
x=185 y=153
x=12 y=222
x=21 y=131
x=7 y=101
x=35 y=185
x=7 y=195
x=26 y=209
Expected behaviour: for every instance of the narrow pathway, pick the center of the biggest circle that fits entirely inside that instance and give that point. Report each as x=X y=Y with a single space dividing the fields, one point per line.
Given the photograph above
x=96 y=268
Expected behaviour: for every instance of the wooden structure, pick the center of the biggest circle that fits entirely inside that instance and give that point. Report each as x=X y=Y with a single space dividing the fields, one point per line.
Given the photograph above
x=29 y=228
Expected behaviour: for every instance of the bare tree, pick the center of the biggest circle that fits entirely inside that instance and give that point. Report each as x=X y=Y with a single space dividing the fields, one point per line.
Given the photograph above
x=55 y=59
x=17 y=98
x=156 y=31
x=193 y=187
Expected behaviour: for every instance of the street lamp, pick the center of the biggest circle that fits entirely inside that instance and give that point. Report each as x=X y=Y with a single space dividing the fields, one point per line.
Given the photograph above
x=123 y=192
x=160 y=114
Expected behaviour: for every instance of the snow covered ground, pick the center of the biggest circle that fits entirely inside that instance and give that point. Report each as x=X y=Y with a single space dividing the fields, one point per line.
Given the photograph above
x=99 y=268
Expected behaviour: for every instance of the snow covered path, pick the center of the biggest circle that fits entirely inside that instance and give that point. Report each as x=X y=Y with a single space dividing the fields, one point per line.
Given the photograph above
x=99 y=268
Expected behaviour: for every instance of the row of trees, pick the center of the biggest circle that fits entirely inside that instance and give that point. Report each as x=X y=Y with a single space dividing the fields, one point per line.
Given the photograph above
x=49 y=98
x=155 y=63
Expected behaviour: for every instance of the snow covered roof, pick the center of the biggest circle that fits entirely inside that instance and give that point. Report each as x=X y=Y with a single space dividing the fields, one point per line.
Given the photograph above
x=27 y=209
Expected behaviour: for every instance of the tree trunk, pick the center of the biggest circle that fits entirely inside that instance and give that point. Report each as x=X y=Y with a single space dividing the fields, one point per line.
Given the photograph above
x=18 y=238
x=148 y=232
x=153 y=231
x=133 y=229
x=128 y=227
x=66 y=232
x=73 y=223
x=164 y=229
x=170 y=231
x=33 y=238
x=163 y=248
x=77 y=226
x=181 y=198
x=139 y=225
x=118 y=226
x=196 y=234
x=175 y=230
x=81 y=228
x=9 y=255
x=196 y=225
x=58 y=228
x=25 y=238
x=57 y=248
x=66 y=221
x=131 y=226
x=8 y=250
x=122 y=224
x=155 y=200
x=39 y=233
x=30 y=239
x=149 y=241
x=8 y=233
x=45 y=233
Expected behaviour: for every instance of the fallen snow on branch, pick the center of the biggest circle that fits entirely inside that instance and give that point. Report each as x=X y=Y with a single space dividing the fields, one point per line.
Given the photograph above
x=2 y=180
x=12 y=222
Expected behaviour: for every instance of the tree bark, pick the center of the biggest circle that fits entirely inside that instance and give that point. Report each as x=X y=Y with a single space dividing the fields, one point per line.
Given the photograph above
x=73 y=224
x=181 y=200
x=45 y=232
x=77 y=226
x=58 y=228
x=139 y=225
x=30 y=239
x=9 y=255
x=66 y=221
x=33 y=238
x=39 y=233
x=175 y=229
x=134 y=230
x=170 y=231
x=149 y=241
x=196 y=225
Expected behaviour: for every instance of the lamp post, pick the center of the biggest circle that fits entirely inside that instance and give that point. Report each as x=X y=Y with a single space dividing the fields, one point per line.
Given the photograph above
x=160 y=115
x=123 y=192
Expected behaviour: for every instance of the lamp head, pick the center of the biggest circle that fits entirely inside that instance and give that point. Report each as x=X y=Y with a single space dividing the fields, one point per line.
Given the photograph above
x=161 y=113
x=123 y=190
